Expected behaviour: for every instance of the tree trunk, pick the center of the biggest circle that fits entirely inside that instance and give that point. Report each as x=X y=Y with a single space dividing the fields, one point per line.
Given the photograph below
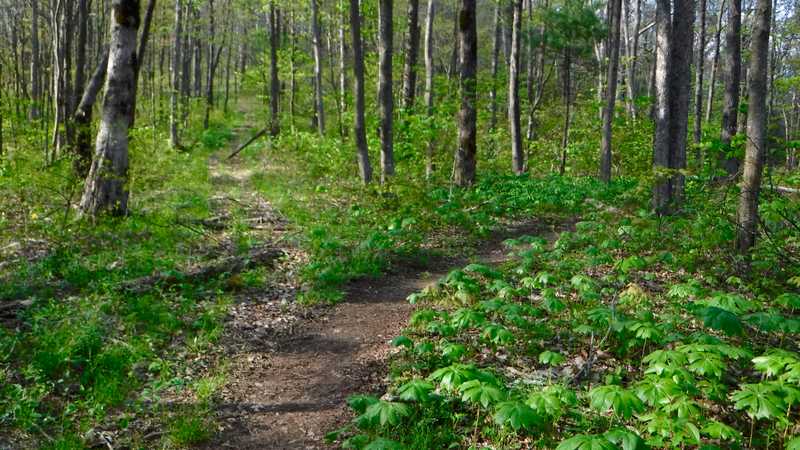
x=274 y=84
x=611 y=90
x=453 y=67
x=429 y=80
x=698 y=82
x=36 y=76
x=517 y=155
x=495 y=57
x=661 y=140
x=465 y=159
x=359 y=127
x=411 y=56
x=566 y=77
x=106 y=186
x=211 y=64
x=385 y=100
x=680 y=93
x=714 y=62
x=747 y=215
x=632 y=50
x=83 y=120
x=319 y=118
x=342 y=68
x=733 y=64
x=174 y=140
x=292 y=70
x=80 y=55
x=198 y=54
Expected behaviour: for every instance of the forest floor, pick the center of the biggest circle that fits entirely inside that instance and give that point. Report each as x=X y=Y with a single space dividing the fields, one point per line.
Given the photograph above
x=289 y=368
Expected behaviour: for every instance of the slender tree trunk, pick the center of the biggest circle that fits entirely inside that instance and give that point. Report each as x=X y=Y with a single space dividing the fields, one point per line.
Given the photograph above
x=714 y=62
x=385 y=100
x=318 y=101
x=198 y=54
x=661 y=141
x=698 y=81
x=36 y=76
x=210 y=64
x=429 y=80
x=465 y=159
x=453 y=67
x=80 y=52
x=632 y=47
x=274 y=84
x=566 y=77
x=756 y=128
x=495 y=57
x=106 y=186
x=359 y=128
x=292 y=69
x=177 y=60
x=517 y=155
x=533 y=101
x=411 y=55
x=733 y=64
x=141 y=49
x=611 y=90
x=342 y=68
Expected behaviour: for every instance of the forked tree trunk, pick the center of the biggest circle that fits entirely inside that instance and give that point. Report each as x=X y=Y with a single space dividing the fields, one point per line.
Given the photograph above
x=83 y=120
x=756 y=128
x=465 y=159
x=359 y=127
x=106 y=188
x=385 y=99
x=517 y=155
x=411 y=56
x=733 y=64
x=611 y=90
x=429 y=80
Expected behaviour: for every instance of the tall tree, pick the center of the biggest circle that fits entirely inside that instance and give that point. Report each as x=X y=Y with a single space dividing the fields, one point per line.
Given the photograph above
x=106 y=187
x=319 y=116
x=611 y=89
x=385 y=98
x=359 y=128
x=733 y=64
x=698 y=81
x=177 y=61
x=466 y=155
x=714 y=62
x=429 y=79
x=517 y=155
x=495 y=64
x=747 y=216
x=36 y=76
x=274 y=84
x=411 y=55
x=661 y=140
x=342 y=67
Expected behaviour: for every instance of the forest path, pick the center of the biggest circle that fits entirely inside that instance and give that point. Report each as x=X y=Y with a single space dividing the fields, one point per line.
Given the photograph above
x=292 y=368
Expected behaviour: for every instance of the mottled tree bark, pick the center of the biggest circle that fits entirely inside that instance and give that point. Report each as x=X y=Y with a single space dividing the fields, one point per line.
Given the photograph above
x=680 y=93
x=411 y=55
x=429 y=79
x=174 y=139
x=385 y=98
x=466 y=155
x=106 y=188
x=661 y=140
x=359 y=128
x=756 y=128
x=714 y=62
x=611 y=90
x=83 y=120
x=517 y=155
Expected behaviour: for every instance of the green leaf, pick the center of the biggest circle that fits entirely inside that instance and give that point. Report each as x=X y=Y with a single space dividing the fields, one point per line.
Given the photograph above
x=586 y=442
x=453 y=352
x=497 y=334
x=476 y=391
x=551 y=358
x=359 y=403
x=721 y=319
x=516 y=414
x=384 y=412
x=454 y=375
x=793 y=443
x=721 y=431
x=384 y=444
x=761 y=400
x=612 y=397
x=416 y=390
x=625 y=439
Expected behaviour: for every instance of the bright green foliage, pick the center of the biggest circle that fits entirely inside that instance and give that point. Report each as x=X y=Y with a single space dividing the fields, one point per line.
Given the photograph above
x=615 y=398
x=415 y=391
x=480 y=392
x=587 y=442
x=516 y=415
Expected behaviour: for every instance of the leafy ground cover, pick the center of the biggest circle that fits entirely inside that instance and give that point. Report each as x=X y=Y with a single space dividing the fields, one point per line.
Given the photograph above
x=628 y=332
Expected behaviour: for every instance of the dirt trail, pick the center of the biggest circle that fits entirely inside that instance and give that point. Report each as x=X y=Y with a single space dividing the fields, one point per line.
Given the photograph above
x=291 y=368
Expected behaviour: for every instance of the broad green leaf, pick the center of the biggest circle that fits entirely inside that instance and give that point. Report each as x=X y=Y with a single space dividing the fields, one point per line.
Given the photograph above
x=416 y=390
x=586 y=442
x=516 y=414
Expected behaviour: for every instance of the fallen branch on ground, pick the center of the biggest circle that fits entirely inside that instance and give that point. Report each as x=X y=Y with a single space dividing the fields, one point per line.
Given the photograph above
x=252 y=139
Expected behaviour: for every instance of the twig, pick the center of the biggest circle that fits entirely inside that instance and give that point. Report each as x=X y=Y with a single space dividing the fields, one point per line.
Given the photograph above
x=250 y=141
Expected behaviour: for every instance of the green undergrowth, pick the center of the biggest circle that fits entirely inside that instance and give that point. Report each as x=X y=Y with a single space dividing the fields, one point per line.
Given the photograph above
x=352 y=231
x=630 y=332
x=84 y=358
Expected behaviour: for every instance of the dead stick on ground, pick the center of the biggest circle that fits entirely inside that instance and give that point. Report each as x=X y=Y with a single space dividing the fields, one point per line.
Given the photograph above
x=252 y=139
